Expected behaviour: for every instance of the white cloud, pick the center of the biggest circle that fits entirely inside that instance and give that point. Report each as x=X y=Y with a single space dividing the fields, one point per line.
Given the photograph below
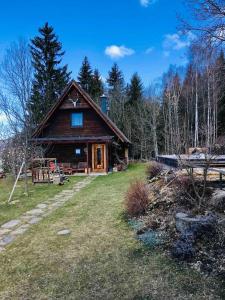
x=177 y=41
x=149 y=50
x=146 y=3
x=114 y=51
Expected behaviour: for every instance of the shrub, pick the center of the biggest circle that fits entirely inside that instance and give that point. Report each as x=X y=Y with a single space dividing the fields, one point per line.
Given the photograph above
x=136 y=199
x=153 y=169
x=187 y=192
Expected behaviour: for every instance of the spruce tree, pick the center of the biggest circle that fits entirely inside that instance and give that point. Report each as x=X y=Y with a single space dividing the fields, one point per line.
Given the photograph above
x=135 y=90
x=85 y=75
x=50 y=77
x=116 y=95
x=96 y=88
x=115 y=79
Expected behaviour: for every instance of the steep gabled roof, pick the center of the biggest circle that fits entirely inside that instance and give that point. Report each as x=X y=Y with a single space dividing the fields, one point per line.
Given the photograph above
x=97 y=109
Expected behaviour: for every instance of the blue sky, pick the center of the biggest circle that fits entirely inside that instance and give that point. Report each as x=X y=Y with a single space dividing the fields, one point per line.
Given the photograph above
x=140 y=35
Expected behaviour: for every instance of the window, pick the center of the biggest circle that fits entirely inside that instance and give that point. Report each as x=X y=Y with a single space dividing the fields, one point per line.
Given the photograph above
x=77 y=119
x=77 y=151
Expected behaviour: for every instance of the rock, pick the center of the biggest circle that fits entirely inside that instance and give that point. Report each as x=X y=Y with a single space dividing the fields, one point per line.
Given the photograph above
x=42 y=205
x=36 y=211
x=4 y=231
x=218 y=200
x=2 y=249
x=64 y=232
x=6 y=240
x=195 y=225
x=11 y=224
x=20 y=230
x=34 y=220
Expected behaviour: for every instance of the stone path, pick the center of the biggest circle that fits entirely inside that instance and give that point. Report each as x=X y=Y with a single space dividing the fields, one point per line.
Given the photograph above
x=14 y=228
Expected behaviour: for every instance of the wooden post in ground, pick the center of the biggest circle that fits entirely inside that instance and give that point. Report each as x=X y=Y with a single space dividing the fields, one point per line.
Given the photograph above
x=17 y=178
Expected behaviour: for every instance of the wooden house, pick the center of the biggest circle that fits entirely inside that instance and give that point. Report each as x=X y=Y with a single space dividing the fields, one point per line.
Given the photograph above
x=80 y=135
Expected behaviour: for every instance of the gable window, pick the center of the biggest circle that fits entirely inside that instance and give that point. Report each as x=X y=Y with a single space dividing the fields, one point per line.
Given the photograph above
x=77 y=119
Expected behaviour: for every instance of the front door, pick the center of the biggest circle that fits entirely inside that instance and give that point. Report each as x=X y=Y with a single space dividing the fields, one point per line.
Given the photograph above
x=98 y=158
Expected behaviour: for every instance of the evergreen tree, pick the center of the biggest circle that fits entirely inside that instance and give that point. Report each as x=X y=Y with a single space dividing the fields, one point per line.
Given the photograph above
x=135 y=90
x=50 y=78
x=96 y=88
x=85 y=75
x=116 y=93
x=115 y=79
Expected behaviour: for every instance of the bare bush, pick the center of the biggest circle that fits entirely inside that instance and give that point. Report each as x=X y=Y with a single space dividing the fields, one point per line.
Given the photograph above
x=137 y=199
x=153 y=169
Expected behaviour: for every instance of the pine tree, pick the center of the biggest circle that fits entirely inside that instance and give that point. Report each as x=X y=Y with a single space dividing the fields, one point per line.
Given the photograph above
x=115 y=79
x=50 y=78
x=135 y=90
x=96 y=88
x=85 y=75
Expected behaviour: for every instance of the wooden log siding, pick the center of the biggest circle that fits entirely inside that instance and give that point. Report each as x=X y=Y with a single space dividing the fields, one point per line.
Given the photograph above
x=60 y=125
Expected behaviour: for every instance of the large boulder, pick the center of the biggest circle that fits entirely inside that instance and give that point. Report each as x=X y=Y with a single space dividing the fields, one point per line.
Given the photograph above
x=197 y=225
x=190 y=229
x=218 y=200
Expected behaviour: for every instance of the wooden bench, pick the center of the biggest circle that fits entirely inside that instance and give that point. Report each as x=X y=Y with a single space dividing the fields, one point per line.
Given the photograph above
x=80 y=167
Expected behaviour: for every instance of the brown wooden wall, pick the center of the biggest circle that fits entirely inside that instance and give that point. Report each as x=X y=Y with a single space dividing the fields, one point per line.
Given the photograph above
x=60 y=123
x=65 y=153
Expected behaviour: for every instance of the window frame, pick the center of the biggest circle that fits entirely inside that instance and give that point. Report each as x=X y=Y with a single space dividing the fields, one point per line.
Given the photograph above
x=71 y=120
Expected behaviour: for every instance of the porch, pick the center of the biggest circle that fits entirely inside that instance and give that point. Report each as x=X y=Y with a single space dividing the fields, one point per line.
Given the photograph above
x=79 y=155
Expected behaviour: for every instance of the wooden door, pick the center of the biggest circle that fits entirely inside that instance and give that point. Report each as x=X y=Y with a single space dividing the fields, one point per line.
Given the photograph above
x=98 y=157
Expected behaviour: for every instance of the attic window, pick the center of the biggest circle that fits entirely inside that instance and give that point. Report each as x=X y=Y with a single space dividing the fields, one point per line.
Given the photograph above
x=77 y=119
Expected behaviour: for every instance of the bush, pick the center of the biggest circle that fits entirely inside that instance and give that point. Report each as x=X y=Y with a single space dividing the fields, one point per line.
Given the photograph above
x=136 y=199
x=153 y=169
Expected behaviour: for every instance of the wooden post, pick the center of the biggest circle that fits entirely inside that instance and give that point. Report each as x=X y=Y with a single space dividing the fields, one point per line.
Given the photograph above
x=17 y=178
x=87 y=159
x=126 y=154
x=107 y=157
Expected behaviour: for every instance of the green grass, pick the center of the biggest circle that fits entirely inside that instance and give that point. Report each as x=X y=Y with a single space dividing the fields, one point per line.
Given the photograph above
x=20 y=202
x=100 y=259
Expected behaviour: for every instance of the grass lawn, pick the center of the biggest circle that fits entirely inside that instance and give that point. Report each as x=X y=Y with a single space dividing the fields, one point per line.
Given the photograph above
x=20 y=203
x=100 y=259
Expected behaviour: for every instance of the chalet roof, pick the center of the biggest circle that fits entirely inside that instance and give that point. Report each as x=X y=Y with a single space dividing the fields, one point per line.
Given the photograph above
x=89 y=100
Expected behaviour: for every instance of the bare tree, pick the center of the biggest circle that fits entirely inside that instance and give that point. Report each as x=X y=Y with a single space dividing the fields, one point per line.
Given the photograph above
x=208 y=20
x=16 y=81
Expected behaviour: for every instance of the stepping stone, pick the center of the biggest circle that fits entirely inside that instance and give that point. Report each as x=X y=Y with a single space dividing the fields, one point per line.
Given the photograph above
x=64 y=232
x=19 y=231
x=35 y=220
x=11 y=224
x=4 y=231
x=26 y=217
x=36 y=211
x=6 y=240
x=42 y=205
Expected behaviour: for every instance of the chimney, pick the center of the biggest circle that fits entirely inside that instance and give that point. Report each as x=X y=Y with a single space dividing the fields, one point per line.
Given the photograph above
x=104 y=104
